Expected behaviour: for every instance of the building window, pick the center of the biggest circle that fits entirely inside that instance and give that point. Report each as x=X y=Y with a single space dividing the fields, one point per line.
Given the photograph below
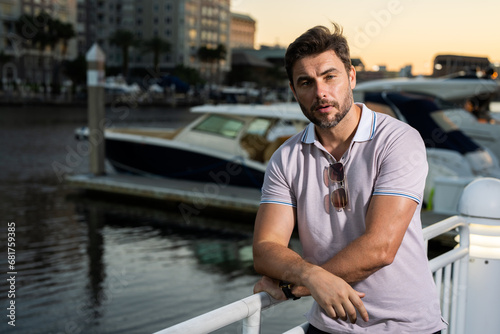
x=192 y=34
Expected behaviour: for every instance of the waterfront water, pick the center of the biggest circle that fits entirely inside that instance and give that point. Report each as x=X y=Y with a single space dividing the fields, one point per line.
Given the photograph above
x=87 y=264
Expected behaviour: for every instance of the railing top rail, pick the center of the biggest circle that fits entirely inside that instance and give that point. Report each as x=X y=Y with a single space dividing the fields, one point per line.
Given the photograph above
x=223 y=316
x=444 y=226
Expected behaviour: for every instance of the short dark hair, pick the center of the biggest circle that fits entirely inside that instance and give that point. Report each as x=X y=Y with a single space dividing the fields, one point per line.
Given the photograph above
x=315 y=41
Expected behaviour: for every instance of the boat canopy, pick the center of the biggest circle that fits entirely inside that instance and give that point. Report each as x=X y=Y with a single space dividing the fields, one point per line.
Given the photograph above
x=425 y=116
x=445 y=88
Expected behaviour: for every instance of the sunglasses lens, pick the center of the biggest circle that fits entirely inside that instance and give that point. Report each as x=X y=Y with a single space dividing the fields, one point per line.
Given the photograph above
x=339 y=198
x=336 y=172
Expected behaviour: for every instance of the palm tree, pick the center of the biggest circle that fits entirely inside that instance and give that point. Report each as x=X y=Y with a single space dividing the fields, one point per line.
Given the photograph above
x=124 y=39
x=210 y=55
x=156 y=45
x=219 y=55
x=65 y=32
x=26 y=28
x=38 y=33
x=59 y=32
x=4 y=59
x=51 y=31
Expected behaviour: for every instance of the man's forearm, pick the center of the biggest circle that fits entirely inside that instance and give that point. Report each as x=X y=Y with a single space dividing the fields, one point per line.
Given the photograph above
x=354 y=263
x=280 y=262
x=357 y=261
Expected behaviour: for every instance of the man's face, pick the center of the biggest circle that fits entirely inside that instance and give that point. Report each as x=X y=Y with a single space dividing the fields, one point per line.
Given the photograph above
x=323 y=88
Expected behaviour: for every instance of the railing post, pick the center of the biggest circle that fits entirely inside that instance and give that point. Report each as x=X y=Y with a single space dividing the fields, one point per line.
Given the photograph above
x=95 y=105
x=461 y=300
x=479 y=206
x=251 y=324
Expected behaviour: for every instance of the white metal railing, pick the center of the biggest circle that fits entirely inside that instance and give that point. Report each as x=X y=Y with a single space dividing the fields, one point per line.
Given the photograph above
x=247 y=309
x=449 y=271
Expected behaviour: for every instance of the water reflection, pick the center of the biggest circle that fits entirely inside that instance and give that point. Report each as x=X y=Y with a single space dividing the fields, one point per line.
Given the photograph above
x=218 y=245
x=95 y=249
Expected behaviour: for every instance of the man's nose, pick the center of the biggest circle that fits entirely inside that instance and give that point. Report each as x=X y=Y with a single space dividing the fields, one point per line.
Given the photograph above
x=321 y=90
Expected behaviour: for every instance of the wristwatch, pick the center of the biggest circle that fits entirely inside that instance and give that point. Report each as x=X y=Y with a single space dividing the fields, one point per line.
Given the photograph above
x=286 y=287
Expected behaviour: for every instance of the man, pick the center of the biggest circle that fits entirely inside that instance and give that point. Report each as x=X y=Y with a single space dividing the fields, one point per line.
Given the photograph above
x=352 y=181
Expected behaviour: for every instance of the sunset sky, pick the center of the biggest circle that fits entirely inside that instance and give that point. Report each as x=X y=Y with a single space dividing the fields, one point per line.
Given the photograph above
x=393 y=33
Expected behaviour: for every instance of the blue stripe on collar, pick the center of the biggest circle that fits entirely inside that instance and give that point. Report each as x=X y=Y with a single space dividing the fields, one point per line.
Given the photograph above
x=367 y=124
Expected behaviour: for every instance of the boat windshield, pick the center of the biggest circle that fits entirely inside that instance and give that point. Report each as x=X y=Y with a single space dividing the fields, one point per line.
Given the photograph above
x=259 y=126
x=220 y=125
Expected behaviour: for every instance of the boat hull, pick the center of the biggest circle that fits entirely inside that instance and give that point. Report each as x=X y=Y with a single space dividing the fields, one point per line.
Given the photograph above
x=179 y=163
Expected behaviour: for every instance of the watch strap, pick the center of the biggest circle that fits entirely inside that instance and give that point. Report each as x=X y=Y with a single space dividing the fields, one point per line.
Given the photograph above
x=286 y=287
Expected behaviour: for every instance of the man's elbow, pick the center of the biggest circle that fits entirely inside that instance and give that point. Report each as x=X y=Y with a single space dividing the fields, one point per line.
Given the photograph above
x=386 y=256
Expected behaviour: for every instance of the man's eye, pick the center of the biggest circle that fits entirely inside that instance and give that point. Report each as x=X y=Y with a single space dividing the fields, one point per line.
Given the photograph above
x=305 y=83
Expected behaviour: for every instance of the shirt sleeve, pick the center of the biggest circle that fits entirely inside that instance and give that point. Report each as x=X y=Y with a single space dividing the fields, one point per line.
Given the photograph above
x=403 y=165
x=276 y=189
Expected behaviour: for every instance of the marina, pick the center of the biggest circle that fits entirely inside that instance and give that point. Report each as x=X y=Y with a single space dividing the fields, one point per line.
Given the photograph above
x=117 y=239
x=100 y=264
x=135 y=137
x=129 y=263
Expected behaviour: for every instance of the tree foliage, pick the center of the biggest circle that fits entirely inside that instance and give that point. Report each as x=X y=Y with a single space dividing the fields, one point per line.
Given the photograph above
x=124 y=39
x=42 y=31
x=156 y=46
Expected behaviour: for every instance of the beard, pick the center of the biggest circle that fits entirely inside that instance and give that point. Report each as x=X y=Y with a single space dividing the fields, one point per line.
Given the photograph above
x=323 y=121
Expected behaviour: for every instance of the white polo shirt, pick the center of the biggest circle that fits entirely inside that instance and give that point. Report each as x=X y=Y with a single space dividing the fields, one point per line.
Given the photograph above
x=387 y=158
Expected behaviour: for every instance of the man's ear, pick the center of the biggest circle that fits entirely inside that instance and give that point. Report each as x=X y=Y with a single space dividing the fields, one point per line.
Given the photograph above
x=293 y=90
x=352 y=77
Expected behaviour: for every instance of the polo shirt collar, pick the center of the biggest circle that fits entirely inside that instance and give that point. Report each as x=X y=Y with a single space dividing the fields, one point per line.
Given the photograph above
x=366 y=127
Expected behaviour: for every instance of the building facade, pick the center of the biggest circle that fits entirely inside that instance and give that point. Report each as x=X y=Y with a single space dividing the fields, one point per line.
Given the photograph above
x=460 y=65
x=24 y=60
x=187 y=25
x=242 y=31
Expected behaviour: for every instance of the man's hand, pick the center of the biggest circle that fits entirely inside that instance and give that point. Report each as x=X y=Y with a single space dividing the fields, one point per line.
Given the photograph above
x=270 y=286
x=335 y=296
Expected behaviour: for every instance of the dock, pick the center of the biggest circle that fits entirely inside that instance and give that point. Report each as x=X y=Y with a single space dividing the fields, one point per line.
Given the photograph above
x=194 y=195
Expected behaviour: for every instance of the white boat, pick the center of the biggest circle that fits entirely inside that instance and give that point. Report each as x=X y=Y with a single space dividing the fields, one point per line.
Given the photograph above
x=446 y=88
x=454 y=158
x=226 y=143
x=453 y=95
